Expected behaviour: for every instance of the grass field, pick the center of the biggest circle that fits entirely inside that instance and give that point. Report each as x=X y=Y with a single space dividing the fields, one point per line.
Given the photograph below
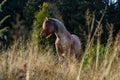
x=99 y=62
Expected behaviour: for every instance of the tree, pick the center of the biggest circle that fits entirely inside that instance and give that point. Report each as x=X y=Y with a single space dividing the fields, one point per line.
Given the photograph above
x=29 y=11
x=3 y=29
x=71 y=12
x=46 y=10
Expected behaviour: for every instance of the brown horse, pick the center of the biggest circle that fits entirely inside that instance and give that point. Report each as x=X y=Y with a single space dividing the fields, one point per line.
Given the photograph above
x=66 y=44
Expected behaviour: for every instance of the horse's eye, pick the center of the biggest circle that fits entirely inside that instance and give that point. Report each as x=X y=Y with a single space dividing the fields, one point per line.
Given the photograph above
x=46 y=24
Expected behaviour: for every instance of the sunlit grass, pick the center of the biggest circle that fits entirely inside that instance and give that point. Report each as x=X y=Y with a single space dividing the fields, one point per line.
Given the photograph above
x=31 y=63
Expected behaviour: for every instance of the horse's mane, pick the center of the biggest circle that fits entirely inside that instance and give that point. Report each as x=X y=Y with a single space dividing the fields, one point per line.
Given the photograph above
x=59 y=24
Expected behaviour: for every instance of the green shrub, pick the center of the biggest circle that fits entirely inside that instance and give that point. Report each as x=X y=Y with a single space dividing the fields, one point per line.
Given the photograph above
x=46 y=10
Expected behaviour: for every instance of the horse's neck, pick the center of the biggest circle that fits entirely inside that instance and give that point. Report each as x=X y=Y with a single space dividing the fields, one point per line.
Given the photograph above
x=62 y=33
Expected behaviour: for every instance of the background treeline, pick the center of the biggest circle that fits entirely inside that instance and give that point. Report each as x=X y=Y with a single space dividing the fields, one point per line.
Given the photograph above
x=23 y=18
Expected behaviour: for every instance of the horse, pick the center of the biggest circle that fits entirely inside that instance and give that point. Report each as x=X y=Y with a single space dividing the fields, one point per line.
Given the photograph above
x=66 y=44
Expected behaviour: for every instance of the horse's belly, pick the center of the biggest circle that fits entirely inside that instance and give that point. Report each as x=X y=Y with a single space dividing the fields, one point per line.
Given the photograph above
x=65 y=45
x=65 y=42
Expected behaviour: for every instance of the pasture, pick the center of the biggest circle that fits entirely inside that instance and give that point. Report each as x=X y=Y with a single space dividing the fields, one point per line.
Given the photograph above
x=99 y=62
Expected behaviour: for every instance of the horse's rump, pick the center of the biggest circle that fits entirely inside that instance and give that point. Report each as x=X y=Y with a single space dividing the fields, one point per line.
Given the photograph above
x=76 y=47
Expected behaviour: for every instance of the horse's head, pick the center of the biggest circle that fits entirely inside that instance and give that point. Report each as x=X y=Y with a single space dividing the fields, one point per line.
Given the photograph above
x=48 y=28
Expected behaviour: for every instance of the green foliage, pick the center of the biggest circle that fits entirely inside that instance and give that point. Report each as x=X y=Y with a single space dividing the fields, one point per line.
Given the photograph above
x=72 y=12
x=39 y=18
x=29 y=11
x=46 y=10
x=92 y=51
x=4 y=29
x=1 y=4
x=19 y=29
x=2 y=21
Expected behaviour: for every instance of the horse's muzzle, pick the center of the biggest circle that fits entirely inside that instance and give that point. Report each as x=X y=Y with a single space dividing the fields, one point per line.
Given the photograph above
x=42 y=36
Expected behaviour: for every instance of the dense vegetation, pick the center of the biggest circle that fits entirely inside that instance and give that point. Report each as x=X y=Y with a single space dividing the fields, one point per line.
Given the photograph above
x=27 y=16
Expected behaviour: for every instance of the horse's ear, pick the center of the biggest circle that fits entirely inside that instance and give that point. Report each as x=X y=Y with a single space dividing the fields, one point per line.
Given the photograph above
x=46 y=18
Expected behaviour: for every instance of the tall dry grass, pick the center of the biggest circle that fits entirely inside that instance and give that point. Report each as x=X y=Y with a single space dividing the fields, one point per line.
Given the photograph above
x=99 y=62
x=31 y=63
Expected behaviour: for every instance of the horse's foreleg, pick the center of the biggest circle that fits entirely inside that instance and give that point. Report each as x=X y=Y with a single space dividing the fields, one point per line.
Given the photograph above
x=68 y=52
x=59 y=51
x=69 y=48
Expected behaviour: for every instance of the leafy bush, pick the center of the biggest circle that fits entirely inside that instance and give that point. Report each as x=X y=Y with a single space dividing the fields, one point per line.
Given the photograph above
x=46 y=10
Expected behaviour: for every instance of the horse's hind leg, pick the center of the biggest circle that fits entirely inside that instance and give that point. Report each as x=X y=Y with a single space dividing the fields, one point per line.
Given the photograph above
x=76 y=46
